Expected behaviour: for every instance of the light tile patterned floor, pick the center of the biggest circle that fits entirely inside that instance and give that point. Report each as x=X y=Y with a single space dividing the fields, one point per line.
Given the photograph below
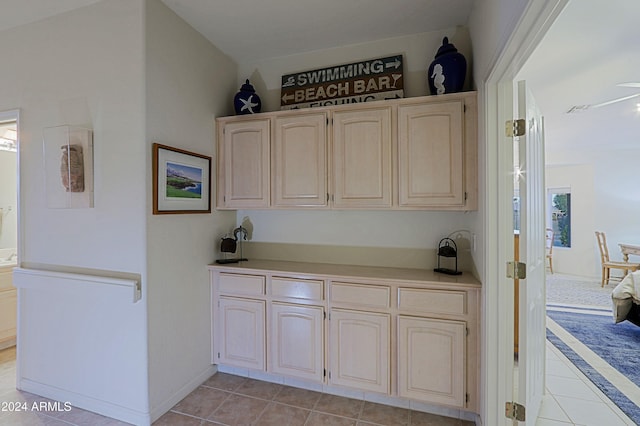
x=225 y=399
x=571 y=399
x=234 y=400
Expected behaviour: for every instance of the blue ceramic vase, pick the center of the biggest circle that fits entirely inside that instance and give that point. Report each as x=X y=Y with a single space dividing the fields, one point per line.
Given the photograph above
x=447 y=71
x=246 y=101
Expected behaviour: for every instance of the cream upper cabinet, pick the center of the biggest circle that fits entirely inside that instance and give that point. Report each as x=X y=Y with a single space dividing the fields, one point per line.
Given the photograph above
x=403 y=154
x=244 y=164
x=362 y=158
x=431 y=155
x=299 y=167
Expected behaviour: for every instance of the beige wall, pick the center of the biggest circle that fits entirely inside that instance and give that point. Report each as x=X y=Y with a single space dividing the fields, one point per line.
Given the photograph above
x=76 y=69
x=605 y=197
x=418 y=51
x=188 y=82
x=579 y=258
x=357 y=229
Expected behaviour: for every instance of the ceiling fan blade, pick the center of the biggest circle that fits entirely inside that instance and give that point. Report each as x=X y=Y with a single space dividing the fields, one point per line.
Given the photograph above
x=629 y=84
x=613 y=101
x=581 y=108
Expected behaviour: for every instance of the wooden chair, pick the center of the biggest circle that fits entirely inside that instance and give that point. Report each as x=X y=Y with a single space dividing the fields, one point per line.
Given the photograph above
x=607 y=264
x=548 y=236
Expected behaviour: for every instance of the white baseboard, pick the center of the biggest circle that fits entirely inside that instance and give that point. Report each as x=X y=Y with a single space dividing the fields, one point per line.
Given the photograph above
x=192 y=385
x=104 y=408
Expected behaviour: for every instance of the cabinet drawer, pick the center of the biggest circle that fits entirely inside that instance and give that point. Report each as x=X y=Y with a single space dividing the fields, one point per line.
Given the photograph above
x=432 y=301
x=241 y=284
x=360 y=294
x=299 y=289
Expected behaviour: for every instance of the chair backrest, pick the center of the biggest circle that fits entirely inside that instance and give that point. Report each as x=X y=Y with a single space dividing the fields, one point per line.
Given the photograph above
x=548 y=236
x=602 y=245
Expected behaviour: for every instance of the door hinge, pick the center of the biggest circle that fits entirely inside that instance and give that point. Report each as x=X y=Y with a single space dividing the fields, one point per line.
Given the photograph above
x=325 y=315
x=324 y=372
x=218 y=355
x=516 y=270
x=515 y=127
x=515 y=411
x=466 y=398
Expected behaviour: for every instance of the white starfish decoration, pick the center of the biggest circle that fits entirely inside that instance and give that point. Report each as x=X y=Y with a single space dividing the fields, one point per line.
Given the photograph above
x=247 y=104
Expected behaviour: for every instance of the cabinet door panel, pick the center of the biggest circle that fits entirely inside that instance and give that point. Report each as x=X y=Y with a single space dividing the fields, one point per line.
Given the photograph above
x=431 y=360
x=246 y=164
x=359 y=352
x=362 y=158
x=300 y=161
x=297 y=341
x=8 y=312
x=242 y=332
x=431 y=155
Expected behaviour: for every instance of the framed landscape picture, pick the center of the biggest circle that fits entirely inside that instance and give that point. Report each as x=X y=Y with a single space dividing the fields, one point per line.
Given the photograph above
x=181 y=181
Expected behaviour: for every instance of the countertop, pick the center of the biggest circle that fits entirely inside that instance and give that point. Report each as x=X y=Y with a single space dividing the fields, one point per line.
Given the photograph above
x=327 y=270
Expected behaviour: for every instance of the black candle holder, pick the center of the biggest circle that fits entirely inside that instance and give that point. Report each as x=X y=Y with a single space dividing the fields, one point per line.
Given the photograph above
x=448 y=248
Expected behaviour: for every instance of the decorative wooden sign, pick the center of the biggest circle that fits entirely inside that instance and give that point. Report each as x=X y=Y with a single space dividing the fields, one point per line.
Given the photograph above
x=364 y=81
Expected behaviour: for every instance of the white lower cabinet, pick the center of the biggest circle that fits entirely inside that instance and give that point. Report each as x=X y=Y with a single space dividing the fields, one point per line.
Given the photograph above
x=296 y=341
x=407 y=335
x=431 y=360
x=359 y=350
x=242 y=332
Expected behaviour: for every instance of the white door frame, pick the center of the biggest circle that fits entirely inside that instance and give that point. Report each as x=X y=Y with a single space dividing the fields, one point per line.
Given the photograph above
x=14 y=115
x=498 y=229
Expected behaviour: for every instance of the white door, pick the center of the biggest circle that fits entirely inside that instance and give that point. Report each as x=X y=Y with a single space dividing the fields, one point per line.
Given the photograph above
x=530 y=171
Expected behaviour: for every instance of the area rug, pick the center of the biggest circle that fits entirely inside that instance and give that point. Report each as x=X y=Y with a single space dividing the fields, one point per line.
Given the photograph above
x=617 y=344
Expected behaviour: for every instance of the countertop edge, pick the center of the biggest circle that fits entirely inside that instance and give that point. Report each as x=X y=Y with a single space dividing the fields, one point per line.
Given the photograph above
x=339 y=271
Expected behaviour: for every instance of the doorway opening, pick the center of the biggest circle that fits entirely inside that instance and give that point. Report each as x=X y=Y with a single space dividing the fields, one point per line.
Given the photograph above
x=8 y=227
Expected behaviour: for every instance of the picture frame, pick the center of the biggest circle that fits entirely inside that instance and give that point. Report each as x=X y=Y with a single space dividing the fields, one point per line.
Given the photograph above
x=181 y=181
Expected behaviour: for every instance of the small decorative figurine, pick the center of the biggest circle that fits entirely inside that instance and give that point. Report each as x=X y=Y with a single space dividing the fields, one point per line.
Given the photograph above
x=246 y=100
x=447 y=71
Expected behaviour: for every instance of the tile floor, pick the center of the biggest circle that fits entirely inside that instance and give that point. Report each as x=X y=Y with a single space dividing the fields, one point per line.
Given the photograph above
x=233 y=400
x=225 y=399
x=571 y=399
